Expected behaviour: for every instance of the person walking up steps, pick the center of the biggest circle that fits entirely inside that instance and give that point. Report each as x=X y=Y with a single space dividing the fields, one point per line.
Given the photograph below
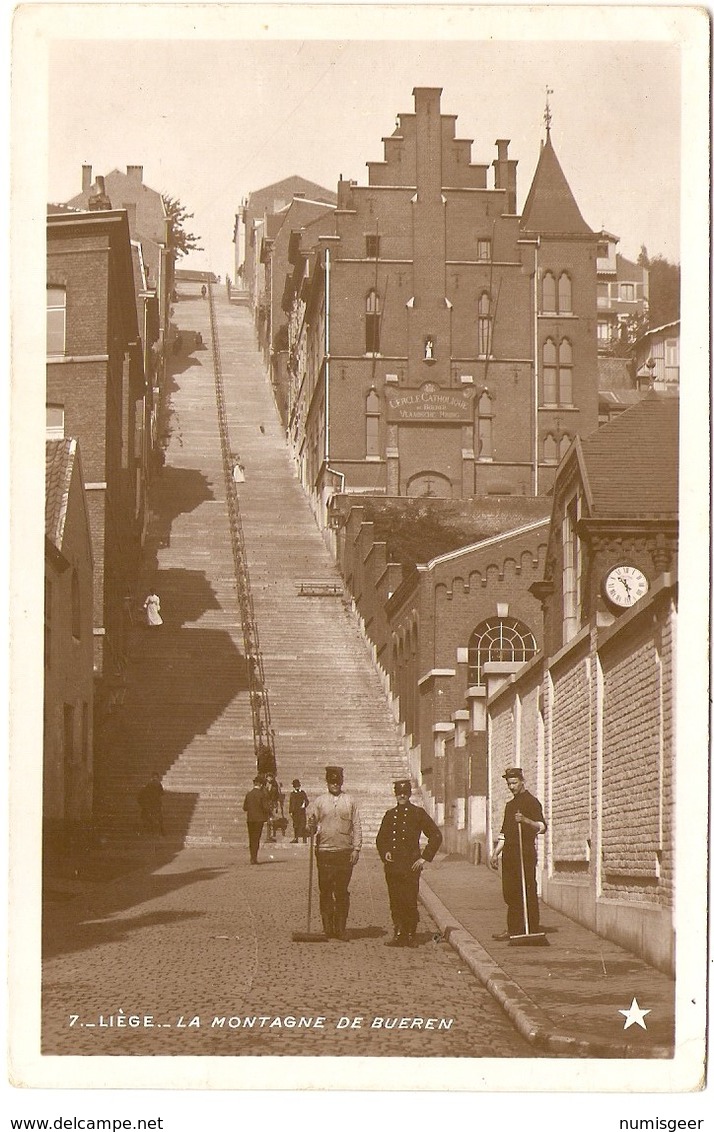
x=152 y=606
x=334 y=819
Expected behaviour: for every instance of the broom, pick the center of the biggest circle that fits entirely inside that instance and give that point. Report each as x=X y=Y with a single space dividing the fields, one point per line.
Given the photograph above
x=308 y=936
x=529 y=938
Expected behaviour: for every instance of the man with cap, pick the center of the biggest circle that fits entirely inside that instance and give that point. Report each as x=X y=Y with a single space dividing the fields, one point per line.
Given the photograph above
x=297 y=807
x=398 y=844
x=523 y=812
x=335 y=820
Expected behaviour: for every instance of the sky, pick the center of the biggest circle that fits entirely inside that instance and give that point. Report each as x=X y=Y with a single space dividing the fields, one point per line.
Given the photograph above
x=221 y=109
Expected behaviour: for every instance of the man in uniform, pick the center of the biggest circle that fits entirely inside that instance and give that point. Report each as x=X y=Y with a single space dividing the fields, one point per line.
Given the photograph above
x=335 y=820
x=398 y=844
x=523 y=812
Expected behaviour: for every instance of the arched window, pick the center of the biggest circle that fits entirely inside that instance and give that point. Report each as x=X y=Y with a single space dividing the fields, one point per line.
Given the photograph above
x=557 y=372
x=372 y=323
x=549 y=305
x=550 y=373
x=485 y=427
x=484 y=325
x=498 y=639
x=564 y=444
x=565 y=377
x=550 y=449
x=565 y=294
x=372 y=423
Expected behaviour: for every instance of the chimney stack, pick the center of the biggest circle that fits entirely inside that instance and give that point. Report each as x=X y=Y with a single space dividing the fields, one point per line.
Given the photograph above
x=506 y=175
x=86 y=177
x=135 y=172
x=100 y=202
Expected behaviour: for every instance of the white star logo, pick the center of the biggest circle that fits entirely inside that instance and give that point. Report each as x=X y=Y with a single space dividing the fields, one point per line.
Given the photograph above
x=635 y=1015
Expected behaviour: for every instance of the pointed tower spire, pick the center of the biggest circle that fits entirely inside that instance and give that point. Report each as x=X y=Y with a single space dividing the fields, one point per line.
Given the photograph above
x=547 y=116
x=550 y=205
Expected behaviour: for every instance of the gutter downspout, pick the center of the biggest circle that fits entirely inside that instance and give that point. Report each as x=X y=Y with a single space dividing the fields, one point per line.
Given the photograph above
x=536 y=370
x=327 y=356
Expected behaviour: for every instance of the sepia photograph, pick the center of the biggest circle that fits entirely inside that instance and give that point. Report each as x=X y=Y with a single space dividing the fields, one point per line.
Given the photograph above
x=358 y=720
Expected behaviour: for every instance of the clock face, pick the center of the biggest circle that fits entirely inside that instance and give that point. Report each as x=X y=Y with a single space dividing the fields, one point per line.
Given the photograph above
x=624 y=585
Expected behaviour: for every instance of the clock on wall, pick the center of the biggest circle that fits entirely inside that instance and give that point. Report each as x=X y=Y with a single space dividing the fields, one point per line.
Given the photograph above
x=624 y=585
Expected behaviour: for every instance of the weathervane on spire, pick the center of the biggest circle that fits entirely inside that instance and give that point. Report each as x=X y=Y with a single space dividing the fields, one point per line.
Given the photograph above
x=547 y=116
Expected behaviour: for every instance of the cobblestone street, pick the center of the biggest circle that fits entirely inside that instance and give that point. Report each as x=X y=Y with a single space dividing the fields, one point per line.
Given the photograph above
x=205 y=937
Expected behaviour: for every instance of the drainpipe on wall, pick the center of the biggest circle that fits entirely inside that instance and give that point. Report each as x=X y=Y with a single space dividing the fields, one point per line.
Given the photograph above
x=327 y=356
x=536 y=370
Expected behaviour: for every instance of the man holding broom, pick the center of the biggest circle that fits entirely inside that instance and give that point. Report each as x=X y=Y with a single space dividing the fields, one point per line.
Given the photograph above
x=523 y=821
x=335 y=820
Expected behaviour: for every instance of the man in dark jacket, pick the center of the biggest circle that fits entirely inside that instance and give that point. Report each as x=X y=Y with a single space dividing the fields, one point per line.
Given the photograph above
x=523 y=821
x=257 y=812
x=398 y=844
x=298 y=811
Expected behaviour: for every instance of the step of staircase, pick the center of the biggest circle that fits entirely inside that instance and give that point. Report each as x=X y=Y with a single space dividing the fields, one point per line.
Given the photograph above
x=186 y=710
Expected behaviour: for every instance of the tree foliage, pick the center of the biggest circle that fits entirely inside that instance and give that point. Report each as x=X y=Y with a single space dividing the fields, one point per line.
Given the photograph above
x=181 y=242
x=664 y=290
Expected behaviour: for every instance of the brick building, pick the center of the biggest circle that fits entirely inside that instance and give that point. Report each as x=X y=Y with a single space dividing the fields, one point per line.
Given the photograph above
x=148 y=226
x=591 y=717
x=68 y=652
x=253 y=223
x=435 y=624
x=441 y=345
x=96 y=393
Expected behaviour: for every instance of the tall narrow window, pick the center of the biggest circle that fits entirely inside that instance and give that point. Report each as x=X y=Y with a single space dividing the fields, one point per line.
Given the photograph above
x=372 y=423
x=372 y=323
x=571 y=570
x=483 y=249
x=550 y=373
x=557 y=373
x=485 y=427
x=565 y=375
x=484 y=325
x=549 y=306
x=564 y=444
x=565 y=294
x=56 y=320
x=372 y=246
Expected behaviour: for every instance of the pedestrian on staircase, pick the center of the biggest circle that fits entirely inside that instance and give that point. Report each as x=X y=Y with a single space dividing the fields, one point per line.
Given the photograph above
x=398 y=844
x=152 y=606
x=297 y=808
x=257 y=812
x=274 y=797
x=334 y=819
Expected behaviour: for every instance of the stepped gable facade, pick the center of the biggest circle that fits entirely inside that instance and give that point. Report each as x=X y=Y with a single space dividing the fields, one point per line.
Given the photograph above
x=448 y=348
x=68 y=646
x=591 y=717
x=97 y=393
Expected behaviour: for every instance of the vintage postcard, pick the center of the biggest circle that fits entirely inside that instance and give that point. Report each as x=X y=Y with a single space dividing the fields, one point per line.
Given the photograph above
x=358 y=716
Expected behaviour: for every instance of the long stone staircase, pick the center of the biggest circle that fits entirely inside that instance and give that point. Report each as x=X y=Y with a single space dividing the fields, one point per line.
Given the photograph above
x=186 y=711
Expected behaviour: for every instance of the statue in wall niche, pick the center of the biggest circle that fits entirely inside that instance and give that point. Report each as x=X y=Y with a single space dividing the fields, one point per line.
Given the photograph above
x=429 y=350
